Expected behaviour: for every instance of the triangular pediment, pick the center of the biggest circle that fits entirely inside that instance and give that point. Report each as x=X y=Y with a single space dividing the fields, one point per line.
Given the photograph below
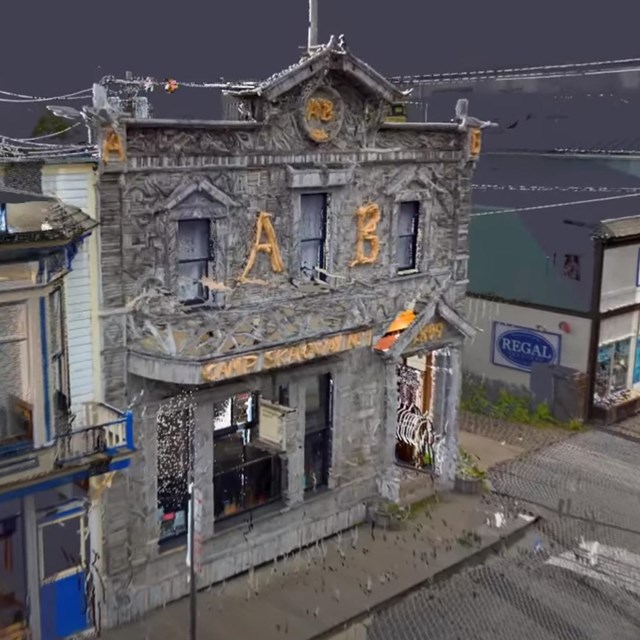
x=410 y=180
x=188 y=187
x=332 y=57
x=435 y=325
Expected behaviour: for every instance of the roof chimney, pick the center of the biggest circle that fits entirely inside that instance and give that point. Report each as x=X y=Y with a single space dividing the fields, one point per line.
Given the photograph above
x=312 y=41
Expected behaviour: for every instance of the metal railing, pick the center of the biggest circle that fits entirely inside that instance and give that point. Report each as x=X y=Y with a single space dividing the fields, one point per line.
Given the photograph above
x=109 y=432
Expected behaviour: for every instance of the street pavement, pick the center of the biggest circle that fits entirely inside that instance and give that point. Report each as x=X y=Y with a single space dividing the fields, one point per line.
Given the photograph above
x=576 y=576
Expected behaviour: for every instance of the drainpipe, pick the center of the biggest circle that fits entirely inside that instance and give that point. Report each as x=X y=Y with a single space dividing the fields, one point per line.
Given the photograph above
x=596 y=294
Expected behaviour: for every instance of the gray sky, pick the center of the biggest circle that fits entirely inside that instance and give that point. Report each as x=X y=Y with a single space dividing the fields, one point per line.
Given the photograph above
x=51 y=48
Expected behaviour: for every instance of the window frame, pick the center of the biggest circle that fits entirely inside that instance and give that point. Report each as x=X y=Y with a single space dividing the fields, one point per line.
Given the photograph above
x=58 y=359
x=610 y=347
x=24 y=407
x=414 y=236
x=578 y=264
x=209 y=260
x=246 y=464
x=173 y=538
x=322 y=239
x=325 y=430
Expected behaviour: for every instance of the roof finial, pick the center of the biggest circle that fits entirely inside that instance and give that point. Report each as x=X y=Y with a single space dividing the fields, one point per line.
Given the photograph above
x=312 y=40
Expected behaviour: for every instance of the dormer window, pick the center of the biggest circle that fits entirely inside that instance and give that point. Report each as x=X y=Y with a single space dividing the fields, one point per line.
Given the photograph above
x=194 y=257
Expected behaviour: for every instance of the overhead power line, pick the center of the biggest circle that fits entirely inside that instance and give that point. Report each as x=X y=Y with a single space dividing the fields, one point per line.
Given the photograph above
x=555 y=205
x=546 y=189
x=19 y=98
x=540 y=71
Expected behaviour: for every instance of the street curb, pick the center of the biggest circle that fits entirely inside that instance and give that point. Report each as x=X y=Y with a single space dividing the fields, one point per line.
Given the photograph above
x=473 y=559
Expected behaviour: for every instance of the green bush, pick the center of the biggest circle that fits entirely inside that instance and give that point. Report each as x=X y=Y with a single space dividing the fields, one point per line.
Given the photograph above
x=510 y=407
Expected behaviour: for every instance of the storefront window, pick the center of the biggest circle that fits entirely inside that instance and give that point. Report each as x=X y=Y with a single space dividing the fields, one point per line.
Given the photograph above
x=317 y=439
x=636 y=366
x=247 y=474
x=613 y=368
x=175 y=428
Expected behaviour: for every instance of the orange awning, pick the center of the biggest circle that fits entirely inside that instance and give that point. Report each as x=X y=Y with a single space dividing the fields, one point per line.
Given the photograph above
x=401 y=322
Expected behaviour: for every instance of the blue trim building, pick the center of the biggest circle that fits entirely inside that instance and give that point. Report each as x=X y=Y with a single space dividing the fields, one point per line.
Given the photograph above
x=54 y=463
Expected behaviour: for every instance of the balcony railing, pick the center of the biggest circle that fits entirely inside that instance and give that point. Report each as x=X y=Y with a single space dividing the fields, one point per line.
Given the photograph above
x=98 y=430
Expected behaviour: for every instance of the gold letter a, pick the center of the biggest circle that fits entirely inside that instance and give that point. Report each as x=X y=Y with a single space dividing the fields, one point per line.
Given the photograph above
x=270 y=247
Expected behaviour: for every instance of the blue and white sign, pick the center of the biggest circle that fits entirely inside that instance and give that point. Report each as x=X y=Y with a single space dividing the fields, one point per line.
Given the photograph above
x=520 y=348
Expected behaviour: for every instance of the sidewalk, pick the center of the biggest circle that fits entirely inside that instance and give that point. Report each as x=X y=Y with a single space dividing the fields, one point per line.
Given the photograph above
x=331 y=584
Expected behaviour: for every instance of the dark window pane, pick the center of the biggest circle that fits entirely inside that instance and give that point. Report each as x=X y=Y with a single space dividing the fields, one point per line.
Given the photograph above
x=312 y=222
x=406 y=253
x=193 y=240
x=313 y=402
x=317 y=402
x=408 y=218
x=247 y=485
x=189 y=285
x=311 y=256
x=61 y=546
x=283 y=396
x=229 y=452
x=316 y=457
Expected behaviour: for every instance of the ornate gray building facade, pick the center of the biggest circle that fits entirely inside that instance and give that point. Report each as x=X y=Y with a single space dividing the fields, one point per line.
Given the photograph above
x=284 y=291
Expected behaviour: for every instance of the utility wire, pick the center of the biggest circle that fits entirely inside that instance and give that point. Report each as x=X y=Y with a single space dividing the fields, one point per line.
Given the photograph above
x=550 y=70
x=545 y=189
x=48 y=135
x=19 y=98
x=555 y=205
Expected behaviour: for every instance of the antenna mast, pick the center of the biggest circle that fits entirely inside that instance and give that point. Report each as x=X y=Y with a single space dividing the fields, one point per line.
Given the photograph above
x=312 y=41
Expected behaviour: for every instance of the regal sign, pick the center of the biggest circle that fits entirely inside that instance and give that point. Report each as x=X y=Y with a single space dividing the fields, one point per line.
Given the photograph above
x=521 y=348
x=285 y=356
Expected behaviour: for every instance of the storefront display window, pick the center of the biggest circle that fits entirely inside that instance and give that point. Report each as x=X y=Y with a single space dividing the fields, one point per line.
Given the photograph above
x=317 y=439
x=613 y=368
x=246 y=473
x=636 y=367
x=175 y=428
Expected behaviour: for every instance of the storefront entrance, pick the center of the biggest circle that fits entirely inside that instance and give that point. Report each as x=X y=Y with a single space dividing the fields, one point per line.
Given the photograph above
x=63 y=542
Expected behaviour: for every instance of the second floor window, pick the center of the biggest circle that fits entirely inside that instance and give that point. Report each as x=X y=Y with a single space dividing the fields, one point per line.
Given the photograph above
x=194 y=256
x=313 y=234
x=407 y=243
x=16 y=408
x=58 y=358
